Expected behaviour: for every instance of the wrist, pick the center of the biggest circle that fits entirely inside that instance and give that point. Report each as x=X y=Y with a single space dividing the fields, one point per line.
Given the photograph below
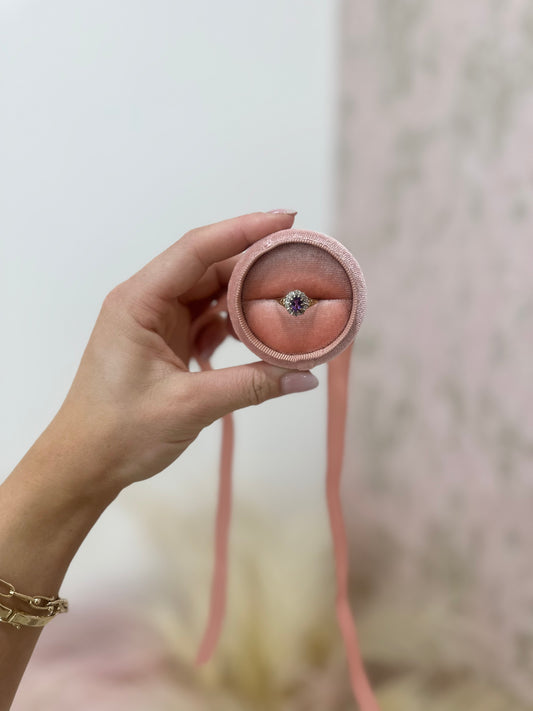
x=48 y=504
x=74 y=461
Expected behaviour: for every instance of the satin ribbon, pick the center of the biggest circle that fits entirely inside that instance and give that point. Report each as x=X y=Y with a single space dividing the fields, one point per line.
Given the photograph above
x=338 y=378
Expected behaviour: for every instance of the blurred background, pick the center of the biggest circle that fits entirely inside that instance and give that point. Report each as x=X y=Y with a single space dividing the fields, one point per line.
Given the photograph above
x=402 y=129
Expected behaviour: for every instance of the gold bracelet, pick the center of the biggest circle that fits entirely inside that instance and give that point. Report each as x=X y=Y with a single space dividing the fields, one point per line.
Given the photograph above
x=51 y=606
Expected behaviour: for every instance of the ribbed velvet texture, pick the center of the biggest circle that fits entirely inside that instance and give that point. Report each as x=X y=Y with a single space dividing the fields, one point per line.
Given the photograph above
x=310 y=262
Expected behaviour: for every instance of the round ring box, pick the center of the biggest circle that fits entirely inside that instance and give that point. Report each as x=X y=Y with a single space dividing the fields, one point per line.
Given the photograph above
x=310 y=262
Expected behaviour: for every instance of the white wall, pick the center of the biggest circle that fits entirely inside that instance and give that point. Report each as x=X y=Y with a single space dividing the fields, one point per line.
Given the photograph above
x=122 y=125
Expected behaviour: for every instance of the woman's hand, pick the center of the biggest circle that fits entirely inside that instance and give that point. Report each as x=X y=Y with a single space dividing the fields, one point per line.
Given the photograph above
x=132 y=409
x=134 y=404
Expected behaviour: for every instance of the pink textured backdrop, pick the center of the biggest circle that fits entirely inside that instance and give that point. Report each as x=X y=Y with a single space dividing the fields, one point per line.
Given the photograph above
x=436 y=178
x=435 y=186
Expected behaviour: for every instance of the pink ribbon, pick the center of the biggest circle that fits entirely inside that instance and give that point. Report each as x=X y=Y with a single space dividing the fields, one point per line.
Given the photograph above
x=338 y=377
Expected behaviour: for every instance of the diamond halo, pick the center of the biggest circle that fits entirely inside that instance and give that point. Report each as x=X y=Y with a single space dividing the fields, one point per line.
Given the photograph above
x=296 y=302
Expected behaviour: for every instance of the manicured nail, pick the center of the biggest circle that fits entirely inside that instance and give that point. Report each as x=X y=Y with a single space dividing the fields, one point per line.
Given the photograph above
x=282 y=211
x=298 y=383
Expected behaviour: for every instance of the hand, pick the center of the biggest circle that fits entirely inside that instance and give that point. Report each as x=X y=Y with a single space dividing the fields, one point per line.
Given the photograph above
x=132 y=409
x=134 y=406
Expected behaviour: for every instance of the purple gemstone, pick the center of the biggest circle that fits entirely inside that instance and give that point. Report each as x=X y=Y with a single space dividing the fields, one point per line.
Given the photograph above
x=296 y=302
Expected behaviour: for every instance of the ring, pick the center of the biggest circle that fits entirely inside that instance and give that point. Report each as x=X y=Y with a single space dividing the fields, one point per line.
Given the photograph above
x=296 y=302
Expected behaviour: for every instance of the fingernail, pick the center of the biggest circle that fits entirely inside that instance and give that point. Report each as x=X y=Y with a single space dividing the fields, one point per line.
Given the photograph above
x=282 y=211
x=297 y=383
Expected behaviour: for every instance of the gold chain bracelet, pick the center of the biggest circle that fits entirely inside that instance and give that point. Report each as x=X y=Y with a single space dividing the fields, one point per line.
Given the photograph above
x=49 y=606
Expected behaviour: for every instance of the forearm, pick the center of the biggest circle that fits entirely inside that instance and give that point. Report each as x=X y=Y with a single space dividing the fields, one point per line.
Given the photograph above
x=132 y=410
x=47 y=506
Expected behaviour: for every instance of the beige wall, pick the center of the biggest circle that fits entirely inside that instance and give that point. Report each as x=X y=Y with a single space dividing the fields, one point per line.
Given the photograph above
x=435 y=189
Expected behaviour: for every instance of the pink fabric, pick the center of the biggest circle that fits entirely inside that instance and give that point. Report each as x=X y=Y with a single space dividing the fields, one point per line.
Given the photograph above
x=313 y=330
x=338 y=377
x=298 y=264
x=315 y=271
x=217 y=607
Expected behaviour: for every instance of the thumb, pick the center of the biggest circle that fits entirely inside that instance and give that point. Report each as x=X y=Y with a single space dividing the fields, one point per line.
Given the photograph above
x=219 y=392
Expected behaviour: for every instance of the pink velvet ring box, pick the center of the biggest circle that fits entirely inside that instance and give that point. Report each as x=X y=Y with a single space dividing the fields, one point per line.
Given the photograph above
x=309 y=262
x=297 y=299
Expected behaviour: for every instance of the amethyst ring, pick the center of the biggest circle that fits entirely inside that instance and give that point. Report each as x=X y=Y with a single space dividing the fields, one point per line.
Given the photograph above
x=296 y=302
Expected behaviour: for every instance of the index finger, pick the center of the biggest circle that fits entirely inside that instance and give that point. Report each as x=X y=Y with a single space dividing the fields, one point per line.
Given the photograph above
x=179 y=268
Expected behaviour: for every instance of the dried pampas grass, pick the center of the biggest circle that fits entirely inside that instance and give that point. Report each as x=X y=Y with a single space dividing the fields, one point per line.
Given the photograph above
x=280 y=649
